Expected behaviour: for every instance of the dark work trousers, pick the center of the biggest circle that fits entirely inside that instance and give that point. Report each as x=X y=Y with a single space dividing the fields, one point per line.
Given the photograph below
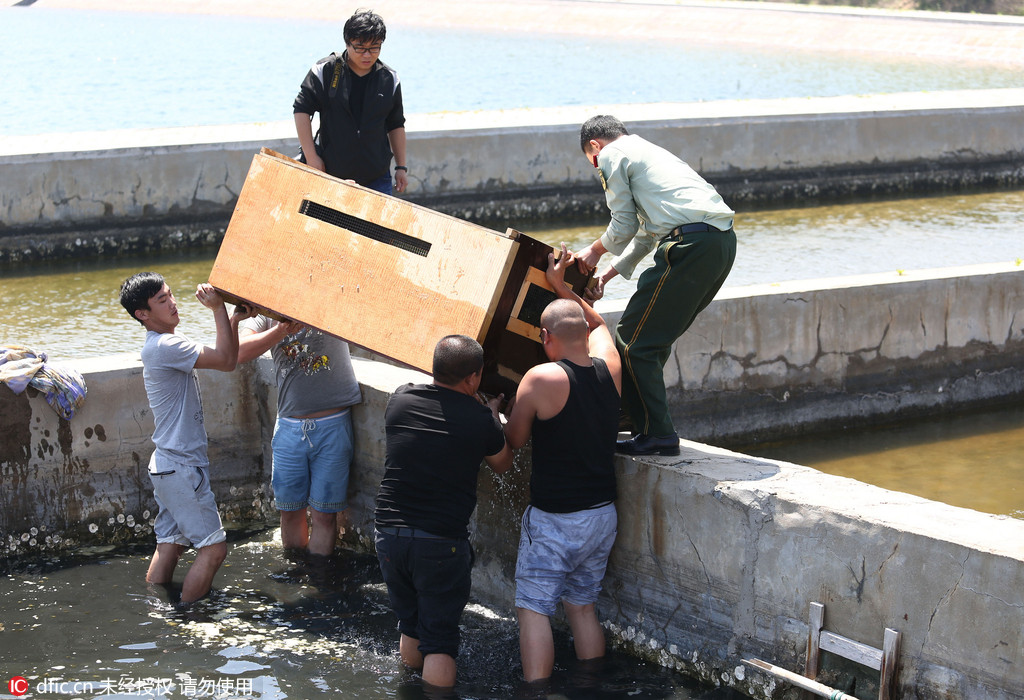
x=687 y=274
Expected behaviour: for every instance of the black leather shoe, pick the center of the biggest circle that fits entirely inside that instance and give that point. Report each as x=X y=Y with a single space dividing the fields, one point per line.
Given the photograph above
x=649 y=445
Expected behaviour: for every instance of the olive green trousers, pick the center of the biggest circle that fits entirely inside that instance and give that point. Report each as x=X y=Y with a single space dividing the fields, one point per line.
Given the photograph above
x=687 y=274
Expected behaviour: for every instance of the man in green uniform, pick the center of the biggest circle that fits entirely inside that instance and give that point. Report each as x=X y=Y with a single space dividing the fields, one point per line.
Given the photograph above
x=657 y=203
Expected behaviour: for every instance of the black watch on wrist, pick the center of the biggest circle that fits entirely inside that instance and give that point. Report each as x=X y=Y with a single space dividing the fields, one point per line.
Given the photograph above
x=401 y=167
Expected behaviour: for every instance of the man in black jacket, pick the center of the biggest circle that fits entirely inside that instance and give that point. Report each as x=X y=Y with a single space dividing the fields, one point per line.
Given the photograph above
x=359 y=98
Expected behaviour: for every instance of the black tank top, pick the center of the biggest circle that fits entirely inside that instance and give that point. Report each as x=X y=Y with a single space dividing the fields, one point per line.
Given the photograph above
x=574 y=451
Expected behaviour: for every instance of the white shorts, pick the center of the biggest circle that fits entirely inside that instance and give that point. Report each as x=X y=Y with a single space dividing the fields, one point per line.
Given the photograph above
x=187 y=509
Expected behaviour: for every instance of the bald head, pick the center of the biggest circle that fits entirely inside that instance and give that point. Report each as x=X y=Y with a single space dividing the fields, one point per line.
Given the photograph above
x=564 y=319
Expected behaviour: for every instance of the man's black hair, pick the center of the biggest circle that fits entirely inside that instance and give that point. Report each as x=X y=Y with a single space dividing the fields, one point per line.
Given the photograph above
x=365 y=26
x=137 y=290
x=603 y=126
x=455 y=358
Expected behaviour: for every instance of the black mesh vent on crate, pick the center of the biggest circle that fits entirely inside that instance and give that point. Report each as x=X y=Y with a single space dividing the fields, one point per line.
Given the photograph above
x=537 y=299
x=364 y=228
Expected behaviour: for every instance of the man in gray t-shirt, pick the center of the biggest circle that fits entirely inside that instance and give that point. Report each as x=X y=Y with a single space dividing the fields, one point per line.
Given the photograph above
x=313 y=436
x=179 y=469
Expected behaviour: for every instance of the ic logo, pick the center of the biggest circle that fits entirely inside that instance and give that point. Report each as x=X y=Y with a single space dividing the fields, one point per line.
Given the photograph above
x=18 y=686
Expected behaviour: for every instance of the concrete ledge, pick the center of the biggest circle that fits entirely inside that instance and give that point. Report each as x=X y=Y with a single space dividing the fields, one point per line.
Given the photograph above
x=87 y=195
x=67 y=482
x=719 y=556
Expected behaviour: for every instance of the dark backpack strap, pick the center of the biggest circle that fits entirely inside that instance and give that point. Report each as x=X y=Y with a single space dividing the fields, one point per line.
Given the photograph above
x=339 y=66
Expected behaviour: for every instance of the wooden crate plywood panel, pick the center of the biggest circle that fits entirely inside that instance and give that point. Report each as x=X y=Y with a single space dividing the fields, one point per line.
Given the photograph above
x=379 y=272
x=513 y=343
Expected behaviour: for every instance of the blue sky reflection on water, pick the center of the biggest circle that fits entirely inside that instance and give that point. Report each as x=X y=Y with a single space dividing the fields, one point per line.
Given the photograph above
x=84 y=70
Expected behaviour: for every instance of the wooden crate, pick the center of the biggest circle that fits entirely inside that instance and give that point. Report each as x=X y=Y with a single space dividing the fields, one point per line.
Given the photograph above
x=381 y=273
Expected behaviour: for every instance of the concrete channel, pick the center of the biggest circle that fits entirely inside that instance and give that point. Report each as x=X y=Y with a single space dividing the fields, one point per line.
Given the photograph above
x=719 y=554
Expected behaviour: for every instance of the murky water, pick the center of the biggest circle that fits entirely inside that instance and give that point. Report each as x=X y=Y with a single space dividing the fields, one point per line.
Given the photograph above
x=89 y=626
x=968 y=460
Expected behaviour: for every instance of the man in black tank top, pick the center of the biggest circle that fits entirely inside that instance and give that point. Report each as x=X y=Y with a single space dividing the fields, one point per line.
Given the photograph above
x=570 y=405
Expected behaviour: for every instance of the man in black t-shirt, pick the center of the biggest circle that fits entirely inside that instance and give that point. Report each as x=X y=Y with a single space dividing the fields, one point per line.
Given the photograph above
x=571 y=407
x=437 y=435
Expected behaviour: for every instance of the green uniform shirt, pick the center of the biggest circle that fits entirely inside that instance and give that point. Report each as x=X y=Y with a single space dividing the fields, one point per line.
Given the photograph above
x=650 y=192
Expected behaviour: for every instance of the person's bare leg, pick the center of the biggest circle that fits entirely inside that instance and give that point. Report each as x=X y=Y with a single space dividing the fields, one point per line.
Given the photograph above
x=536 y=645
x=200 y=575
x=165 y=558
x=324 y=535
x=409 y=649
x=294 y=529
x=587 y=634
x=439 y=670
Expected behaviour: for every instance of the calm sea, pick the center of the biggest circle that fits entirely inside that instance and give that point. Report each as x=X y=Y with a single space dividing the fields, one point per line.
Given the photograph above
x=83 y=70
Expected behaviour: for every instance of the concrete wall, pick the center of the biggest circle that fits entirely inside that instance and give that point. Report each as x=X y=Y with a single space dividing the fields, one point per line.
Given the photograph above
x=776 y=360
x=69 y=195
x=63 y=483
x=718 y=554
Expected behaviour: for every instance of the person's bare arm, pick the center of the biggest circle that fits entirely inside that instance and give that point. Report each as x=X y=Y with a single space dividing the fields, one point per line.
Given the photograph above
x=224 y=355
x=502 y=461
x=520 y=419
x=601 y=280
x=252 y=344
x=396 y=138
x=588 y=258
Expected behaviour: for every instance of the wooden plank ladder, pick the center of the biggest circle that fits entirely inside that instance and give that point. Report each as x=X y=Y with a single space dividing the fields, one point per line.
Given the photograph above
x=883 y=660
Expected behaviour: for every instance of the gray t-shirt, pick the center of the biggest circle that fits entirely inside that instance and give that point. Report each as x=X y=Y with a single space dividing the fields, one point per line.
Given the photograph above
x=314 y=370
x=172 y=384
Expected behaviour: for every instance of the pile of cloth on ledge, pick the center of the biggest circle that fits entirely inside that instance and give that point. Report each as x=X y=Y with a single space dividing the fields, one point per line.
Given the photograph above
x=22 y=367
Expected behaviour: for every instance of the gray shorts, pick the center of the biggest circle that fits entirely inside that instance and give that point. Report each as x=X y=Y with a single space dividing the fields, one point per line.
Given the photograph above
x=563 y=556
x=187 y=509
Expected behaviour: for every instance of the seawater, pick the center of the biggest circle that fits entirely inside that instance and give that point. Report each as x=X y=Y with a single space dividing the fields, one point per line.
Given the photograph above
x=273 y=628
x=86 y=70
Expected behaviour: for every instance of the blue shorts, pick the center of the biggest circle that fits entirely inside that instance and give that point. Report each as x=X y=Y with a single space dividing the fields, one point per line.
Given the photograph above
x=311 y=462
x=187 y=513
x=428 y=582
x=563 y=556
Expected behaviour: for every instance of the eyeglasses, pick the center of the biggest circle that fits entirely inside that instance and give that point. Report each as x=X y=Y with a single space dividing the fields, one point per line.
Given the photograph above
x=366 y=50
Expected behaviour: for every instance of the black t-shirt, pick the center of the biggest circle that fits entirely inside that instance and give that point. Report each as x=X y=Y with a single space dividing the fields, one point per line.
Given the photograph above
x=574 y=451
x=357 y=97
x=436 y=440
